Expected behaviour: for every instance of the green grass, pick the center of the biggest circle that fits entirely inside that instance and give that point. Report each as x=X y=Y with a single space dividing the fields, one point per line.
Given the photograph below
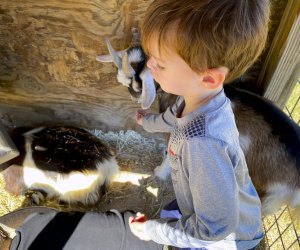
x=292 y=107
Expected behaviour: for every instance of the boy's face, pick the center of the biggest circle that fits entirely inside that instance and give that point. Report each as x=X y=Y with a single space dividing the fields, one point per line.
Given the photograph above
x=171 y=72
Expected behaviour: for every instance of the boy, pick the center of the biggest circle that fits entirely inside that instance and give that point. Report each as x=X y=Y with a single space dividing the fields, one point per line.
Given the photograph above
x=194 y=47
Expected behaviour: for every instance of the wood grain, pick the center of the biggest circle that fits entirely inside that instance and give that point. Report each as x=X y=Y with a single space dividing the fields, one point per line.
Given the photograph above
x=48 y=71
x=281 y=69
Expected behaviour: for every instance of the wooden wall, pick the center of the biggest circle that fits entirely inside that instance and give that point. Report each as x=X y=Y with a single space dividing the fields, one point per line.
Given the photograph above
x=48 y=71
x=281 y=69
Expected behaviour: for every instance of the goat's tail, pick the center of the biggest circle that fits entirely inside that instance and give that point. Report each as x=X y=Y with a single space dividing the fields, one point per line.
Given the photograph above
x=279 y=196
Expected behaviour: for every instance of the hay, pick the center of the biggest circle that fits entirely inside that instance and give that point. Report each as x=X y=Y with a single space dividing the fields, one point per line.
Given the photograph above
x=131 y=144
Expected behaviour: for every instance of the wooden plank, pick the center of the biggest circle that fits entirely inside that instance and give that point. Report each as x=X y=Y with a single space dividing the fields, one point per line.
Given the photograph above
x=281 y=68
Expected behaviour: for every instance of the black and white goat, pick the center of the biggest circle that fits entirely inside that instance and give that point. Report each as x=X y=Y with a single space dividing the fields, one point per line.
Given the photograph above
x=269 y=139
x=66 y=162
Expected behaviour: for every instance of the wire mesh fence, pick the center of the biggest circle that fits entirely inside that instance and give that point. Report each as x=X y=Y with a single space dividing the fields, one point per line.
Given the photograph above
x=281 y=232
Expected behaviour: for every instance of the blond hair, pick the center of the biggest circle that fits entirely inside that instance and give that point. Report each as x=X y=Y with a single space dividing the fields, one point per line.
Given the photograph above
x=209 y=33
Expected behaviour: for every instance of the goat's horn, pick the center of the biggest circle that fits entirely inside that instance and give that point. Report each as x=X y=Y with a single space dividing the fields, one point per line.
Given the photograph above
x=136 y=37
x=126 y=67
x=116 y=59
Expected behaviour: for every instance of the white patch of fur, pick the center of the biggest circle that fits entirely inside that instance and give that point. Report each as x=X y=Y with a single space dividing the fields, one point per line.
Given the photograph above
x=122 y=78
x=40 y=148
x=108 y=169
x=135 y=55
x=245 y=142
x=33 y=131
x=163 y=170
x=72 y=187
x=279 y=195
x=136 y=87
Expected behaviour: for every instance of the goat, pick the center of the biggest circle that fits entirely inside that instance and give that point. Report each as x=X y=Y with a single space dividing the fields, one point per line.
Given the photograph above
x=66 y=162
x=268 y=138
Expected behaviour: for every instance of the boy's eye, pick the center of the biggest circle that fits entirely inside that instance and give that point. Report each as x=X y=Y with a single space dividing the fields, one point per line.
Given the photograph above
x=160 y=67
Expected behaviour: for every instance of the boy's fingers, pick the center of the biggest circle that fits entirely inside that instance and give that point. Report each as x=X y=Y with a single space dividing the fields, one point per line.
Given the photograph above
x=138 y=115
x=131 y=219
x=141 y=112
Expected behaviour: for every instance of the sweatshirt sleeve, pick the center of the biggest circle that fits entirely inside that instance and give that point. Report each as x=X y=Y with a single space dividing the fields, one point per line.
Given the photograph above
x=208 y=167
x=163 y=122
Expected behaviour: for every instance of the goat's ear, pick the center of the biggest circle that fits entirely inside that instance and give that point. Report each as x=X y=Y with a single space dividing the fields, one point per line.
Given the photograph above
x=148 y=91
x=115 y=57
x=109 y=58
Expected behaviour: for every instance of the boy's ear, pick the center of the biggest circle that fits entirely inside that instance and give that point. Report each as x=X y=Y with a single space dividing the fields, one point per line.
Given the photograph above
x=215 y=77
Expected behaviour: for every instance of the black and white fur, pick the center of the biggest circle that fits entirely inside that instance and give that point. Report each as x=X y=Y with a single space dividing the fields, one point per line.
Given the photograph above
x=269 y=139
x=132 y=73
x=66 y=162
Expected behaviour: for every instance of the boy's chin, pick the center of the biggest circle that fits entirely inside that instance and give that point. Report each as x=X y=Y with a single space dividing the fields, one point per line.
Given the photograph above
x=164 y=88
x=169 y=91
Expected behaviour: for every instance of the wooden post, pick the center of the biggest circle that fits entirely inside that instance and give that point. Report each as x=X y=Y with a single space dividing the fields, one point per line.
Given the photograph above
x=281 y=68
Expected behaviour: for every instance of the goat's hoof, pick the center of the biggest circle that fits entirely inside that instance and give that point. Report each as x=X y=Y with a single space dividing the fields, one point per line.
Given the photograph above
x=35 y=196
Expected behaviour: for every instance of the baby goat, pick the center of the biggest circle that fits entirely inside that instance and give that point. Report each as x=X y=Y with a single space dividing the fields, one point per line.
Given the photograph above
x=66 y=162
x=269 y=139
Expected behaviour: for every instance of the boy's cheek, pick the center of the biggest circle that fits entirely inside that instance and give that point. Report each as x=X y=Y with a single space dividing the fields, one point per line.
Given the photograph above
x=154 y=74
x=157 y=78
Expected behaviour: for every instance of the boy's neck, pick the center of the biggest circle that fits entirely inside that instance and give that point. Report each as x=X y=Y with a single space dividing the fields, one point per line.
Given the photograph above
x=192 y=103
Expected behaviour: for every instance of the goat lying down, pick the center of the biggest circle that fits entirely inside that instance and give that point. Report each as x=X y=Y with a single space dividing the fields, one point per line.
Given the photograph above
x=66 y=162
x=269 y=139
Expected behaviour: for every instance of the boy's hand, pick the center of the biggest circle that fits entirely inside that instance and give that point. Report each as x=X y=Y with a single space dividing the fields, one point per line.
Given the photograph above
x=138 y=226
x=139 y=116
